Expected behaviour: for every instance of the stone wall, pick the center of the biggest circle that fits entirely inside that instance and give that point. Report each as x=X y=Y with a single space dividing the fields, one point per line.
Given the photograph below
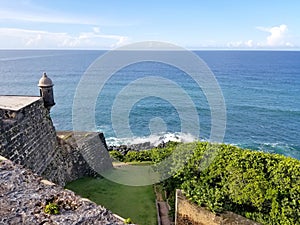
x=81 y=154
x=188 y=213
x=28 y=137
x=24 y=197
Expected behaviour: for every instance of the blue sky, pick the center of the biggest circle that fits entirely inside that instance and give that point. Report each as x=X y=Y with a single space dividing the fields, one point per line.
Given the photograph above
x=197 y=24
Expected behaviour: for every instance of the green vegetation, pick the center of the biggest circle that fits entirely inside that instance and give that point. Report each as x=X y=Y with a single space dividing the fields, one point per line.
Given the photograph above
x=51 y=208
x=260 y=186
x=117 y=155
x=154 y=155
x=128 y=221
x=134 y=203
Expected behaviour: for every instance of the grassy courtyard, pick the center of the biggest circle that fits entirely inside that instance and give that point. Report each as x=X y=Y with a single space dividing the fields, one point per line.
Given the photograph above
x=138 y=203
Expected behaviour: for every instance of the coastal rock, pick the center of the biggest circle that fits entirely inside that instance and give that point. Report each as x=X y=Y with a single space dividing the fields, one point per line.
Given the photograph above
x=124 y=149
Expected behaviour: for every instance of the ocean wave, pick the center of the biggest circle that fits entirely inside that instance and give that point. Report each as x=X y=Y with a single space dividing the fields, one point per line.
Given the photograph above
x=154 y=139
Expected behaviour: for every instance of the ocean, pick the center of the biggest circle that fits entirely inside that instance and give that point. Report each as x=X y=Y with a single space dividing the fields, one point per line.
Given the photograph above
x=261 y=90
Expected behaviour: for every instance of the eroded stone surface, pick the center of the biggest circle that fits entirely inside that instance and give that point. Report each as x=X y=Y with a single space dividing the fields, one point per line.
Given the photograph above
x=23 y=196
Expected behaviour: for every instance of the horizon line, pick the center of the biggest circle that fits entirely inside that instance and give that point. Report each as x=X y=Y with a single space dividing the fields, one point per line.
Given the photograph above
x=116 y=49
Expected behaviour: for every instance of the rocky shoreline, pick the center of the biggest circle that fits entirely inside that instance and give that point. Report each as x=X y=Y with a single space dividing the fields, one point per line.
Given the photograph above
x=124 y=149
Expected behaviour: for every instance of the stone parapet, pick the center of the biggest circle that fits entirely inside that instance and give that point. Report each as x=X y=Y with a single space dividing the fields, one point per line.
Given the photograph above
x=190 y=213
x=24 y=197
x=28 y=138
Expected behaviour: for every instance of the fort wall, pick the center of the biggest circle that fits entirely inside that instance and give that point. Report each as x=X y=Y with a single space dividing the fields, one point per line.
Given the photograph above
x=28 y=138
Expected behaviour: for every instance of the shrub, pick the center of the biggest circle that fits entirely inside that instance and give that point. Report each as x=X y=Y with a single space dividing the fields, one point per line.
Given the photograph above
x=117 y=155
x=51 y=208
x=261 y=186
x=128 y=221
x=138 y=156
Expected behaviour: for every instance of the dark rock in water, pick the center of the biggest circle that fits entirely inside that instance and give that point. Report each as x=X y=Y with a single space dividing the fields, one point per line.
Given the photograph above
x=141 y=146
x=134 y=147
x=161 y=145
x=146 y=145
x=137 y=147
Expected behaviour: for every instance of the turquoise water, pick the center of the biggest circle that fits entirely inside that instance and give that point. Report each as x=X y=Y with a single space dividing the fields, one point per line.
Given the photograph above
x=261 y=91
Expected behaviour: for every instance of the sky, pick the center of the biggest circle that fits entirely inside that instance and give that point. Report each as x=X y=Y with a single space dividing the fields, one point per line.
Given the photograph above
x=192 y=24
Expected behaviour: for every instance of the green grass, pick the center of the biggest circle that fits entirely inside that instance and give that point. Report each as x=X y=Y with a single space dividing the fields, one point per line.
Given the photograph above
x=138 y=203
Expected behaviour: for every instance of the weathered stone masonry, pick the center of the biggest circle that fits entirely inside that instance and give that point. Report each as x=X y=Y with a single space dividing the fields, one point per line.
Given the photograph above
x=28 y=137
x=190 y=213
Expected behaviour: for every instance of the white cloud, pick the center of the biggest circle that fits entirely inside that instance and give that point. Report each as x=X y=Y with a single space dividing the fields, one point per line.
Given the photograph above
x=17 y=12
x=39 y=36
x=278 y=36
x=42 y=17
x=241 y=44
x=22 y=38
x=96 y=30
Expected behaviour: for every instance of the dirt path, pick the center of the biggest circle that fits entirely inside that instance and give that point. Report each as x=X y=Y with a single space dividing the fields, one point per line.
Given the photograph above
x=162 y=209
